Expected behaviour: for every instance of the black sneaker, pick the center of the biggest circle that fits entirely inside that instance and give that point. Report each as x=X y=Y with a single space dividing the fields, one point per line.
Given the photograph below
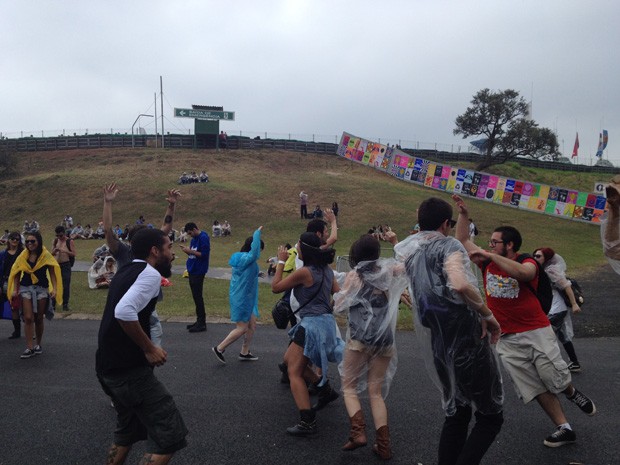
x=219 y=355
x=198 y=328
x=325 y=395
x=248 y=356
x=192 y=324
x=303 y=428
x=583 y=402
x=574 y=367
x=560 y=437
x=27 y=353
x=38 y=350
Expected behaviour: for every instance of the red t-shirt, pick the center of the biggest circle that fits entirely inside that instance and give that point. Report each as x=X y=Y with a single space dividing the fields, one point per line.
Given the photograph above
x=514 y=305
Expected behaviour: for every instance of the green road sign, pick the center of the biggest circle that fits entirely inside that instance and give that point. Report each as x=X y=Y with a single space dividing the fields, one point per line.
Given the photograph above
x=204 y=114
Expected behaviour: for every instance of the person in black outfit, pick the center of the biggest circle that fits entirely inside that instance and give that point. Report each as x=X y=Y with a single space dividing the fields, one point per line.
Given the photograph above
x=126 y=356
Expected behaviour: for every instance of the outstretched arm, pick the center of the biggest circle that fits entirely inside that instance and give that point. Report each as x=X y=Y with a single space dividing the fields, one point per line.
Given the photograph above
x=462 y=224
x=333 y=237
x=171 y=198
x=109 y=194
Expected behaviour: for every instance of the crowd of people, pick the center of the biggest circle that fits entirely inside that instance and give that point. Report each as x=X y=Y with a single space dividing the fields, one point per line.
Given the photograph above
x=464 y=335
x=193 y=177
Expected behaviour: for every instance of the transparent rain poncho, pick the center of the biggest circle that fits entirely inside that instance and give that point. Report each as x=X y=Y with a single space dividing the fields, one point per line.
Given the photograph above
x=370 y=296
x=555 y=268
x=447 y=324
x=610 y=237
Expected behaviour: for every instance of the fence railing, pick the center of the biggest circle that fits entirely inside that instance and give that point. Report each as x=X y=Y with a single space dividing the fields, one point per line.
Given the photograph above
x=181 y=141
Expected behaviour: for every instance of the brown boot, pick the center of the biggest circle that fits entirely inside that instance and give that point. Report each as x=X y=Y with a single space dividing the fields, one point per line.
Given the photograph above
x=382 y=445
x=357 y=435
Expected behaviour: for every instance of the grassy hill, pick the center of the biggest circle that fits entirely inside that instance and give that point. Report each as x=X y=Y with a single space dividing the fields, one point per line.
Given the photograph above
x=252 y=188
x=249 y=189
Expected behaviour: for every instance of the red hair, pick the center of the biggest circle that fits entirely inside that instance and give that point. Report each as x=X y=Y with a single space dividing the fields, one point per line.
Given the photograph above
x=547 y=252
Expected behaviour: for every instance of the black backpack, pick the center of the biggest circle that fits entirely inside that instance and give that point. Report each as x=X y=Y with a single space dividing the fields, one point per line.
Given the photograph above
x=576 y=290
x=544 y=293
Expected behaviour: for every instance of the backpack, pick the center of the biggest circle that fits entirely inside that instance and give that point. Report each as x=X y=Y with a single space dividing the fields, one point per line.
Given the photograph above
x=544 y=293
x=574 y=285
x=475 y=230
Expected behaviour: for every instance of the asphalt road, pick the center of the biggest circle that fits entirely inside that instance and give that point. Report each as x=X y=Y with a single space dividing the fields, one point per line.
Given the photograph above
x=54 y=412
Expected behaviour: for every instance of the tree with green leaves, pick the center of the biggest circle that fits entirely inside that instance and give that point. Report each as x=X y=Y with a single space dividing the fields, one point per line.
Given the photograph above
x=502 y=117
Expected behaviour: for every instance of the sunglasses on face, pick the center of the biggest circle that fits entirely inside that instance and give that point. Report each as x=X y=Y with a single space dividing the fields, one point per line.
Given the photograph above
x=538 y=255
x=31 y=241
x=13 y=238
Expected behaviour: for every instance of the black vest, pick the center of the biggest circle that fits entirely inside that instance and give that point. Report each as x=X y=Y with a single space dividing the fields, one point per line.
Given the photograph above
x=116 y=350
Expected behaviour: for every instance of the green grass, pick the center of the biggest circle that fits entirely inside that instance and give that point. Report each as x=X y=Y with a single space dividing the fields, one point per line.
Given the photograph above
x=252 y=188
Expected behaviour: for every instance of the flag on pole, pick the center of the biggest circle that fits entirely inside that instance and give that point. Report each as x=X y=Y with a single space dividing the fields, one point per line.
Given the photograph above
x=576 y=147
x=599 y=151
x=605 y=138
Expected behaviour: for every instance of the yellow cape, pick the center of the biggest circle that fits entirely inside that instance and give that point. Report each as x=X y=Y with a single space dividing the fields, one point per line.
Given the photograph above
x=45 y=259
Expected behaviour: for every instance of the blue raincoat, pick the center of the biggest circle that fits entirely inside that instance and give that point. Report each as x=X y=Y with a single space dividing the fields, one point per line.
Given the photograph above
x=243 y=291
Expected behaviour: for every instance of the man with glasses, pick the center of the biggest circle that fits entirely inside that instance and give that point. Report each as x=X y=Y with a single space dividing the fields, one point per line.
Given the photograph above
x=63 y=251
x=457 y=330
x=528 y=347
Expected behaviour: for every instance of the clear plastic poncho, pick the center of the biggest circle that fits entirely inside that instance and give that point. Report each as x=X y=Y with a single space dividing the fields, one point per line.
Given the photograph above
x=447 y=325
x=555 y=268
x=370 y=296
x=610 y=237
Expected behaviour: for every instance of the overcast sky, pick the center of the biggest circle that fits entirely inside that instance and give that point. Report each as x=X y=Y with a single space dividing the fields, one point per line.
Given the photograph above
x=394 y=70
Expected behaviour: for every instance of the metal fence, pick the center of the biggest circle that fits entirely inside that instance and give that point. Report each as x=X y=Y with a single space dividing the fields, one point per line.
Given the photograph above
x=181 y=141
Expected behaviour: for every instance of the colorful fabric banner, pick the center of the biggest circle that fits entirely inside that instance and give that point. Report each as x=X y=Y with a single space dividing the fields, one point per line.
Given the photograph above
x=551 y=200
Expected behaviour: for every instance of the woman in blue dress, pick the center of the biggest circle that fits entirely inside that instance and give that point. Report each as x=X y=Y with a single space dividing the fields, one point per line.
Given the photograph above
x=243 y=297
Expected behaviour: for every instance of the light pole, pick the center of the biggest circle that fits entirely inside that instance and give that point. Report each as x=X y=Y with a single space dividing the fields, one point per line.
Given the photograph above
x=133 y=144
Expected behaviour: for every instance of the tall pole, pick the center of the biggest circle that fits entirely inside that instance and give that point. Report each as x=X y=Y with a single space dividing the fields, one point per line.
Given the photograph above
x=161 y=101
x=155 y=106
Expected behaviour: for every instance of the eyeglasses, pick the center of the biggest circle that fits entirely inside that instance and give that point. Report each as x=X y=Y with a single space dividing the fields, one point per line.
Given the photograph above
x=493 y=243
x=31 y=241
x=13 y=238
x=538 y=255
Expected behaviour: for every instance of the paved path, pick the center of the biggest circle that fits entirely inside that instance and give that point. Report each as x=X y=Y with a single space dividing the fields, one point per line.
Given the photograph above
x=53 y=411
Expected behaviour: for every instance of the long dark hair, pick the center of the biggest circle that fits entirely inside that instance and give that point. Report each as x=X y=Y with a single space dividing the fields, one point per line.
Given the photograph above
x=37 y=236
x=311 y=251
x=247 y=245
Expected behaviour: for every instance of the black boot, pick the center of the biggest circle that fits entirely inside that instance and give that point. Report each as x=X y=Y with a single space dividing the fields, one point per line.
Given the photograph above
x=325 y=395
x=306 y=425
x=17 y=332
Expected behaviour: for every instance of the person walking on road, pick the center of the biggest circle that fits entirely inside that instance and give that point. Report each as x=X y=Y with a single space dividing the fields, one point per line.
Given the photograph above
x=63 y=250
x=197 y=267
x=314 y=338
x=559 y=315
x=370 y=296
x=35 y=276
x=457 y=330
x=122 y=251
x=126 y=355
x=8 y=256
x=528 y=347
x=243 y=297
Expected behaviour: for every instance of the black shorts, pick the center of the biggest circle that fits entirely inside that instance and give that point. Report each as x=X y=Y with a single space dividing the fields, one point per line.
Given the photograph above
x=145 y=411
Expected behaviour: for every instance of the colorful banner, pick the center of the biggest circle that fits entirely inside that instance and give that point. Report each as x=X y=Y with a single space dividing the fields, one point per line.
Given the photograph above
x=551 y=200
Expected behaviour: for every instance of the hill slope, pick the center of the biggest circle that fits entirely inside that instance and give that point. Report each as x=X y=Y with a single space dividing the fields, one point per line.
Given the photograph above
x=252 y=188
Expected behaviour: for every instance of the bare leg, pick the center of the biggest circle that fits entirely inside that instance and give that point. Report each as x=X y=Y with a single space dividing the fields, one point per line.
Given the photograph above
x=39 y=319
x=117 y=455
x=353 y=363
x=28 y=321
x=552 y=407
x=376 y=375
x=249 y=334
x=235 y=334
x=297 y=362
